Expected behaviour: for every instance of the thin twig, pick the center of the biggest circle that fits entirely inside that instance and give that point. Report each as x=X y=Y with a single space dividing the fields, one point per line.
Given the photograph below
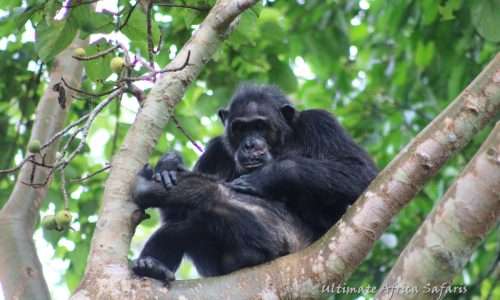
x=81 y=3
x=149 y=76
x=120 y=27
x=15 y=168
x=149 y=7
x=91 y=175
x=42 y=184
x=68 y=144
x=63 y=131
x=198 y=8
x=32 y=175
x=97 y=55
x=186 y=134
x=159 y=44
x=88 y=93
x=63 y=189
x=42 y=164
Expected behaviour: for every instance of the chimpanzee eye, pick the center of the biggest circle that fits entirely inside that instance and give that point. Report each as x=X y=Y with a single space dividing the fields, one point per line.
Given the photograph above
x=261 y=125
x=237 y=126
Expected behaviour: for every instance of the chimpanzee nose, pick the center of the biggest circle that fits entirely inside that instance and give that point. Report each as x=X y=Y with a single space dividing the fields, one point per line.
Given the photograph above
x=249 y=144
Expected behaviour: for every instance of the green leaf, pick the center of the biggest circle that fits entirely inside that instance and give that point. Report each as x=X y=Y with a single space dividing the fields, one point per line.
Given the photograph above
x=53 y=39
x=257 y=8
x=430 y=10
x=98 y=69
x=8 y=5
x=447 y=10
x=246 y=31
x=50 y=9
x=91 y=22
x=136 y=29
x=7 y=26
x=358 y=33
x=81 y=14
x=102 y=22
x=486 y=19
x=190 y=18
x=282 y=75
x=424 y=54
x=454 y=81
x=269 y=15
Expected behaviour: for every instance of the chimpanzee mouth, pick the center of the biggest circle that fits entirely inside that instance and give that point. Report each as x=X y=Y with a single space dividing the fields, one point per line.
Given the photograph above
x=252 y=165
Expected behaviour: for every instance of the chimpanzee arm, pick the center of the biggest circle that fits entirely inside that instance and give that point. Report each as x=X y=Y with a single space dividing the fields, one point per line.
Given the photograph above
x=192 y=190
x=339 y=181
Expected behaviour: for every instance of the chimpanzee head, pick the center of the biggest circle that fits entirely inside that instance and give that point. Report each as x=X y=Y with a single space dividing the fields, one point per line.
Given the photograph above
x=257 y=123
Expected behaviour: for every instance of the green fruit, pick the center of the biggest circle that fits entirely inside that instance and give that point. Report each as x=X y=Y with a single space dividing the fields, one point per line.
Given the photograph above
x=117 y=64
x=79 y=52
x=63 y=219
x=34 y=146
x=49 y=222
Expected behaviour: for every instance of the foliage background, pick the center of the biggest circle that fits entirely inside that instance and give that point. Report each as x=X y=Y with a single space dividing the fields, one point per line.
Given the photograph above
x=384 y=68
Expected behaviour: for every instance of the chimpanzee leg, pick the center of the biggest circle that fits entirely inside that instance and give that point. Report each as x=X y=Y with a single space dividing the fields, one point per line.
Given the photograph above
x=163 y=252
x=206 y=255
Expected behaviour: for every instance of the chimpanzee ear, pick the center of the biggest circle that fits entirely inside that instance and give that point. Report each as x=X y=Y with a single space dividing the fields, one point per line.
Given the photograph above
x=289 y=113
x=223 y=115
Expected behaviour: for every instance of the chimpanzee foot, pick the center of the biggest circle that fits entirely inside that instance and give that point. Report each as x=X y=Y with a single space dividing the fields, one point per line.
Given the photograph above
x=151 y=267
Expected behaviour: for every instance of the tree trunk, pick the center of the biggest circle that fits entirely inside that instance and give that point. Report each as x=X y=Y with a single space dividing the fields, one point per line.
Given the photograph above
x=451 y=233
x=20 y=270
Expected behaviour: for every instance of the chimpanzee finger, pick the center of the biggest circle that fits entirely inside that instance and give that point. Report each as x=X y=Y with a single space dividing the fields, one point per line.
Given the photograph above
x=157 y=177
x=169 y=275
x=167 y=182
x=244 y=188
x=173 y=177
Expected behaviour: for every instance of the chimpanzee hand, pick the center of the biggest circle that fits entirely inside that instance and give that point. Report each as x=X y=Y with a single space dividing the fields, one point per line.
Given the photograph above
x=167 y=168
x=151 y=267
x=247 y=185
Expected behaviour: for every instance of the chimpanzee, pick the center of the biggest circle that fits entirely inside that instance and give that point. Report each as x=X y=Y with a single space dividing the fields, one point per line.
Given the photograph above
x=300 y=161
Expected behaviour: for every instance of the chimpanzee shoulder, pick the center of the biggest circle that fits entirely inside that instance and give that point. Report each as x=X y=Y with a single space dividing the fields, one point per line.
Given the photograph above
x=319 y=134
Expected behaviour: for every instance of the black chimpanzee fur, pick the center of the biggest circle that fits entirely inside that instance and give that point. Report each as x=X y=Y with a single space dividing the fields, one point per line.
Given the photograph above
x=276 y=180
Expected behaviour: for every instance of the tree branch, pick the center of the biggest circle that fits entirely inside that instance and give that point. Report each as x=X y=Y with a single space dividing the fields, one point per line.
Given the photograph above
x=466 y=213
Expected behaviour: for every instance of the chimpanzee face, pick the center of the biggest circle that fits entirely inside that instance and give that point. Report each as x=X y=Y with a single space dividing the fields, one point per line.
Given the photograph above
x=253 y=133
